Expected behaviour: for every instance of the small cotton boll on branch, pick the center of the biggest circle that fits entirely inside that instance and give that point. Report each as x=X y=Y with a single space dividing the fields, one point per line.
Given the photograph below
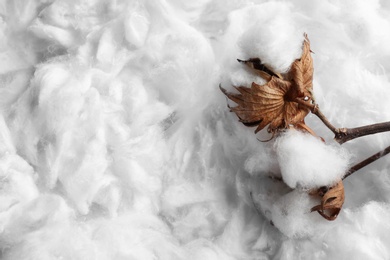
x=272 y=36
x=305 y=161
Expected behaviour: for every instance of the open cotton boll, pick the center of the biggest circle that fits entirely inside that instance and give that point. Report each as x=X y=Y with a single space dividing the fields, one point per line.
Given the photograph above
x=271 y=35
x=305 y=161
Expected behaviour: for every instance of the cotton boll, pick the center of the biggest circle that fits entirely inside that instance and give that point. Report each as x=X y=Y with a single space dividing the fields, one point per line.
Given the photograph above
x=271 y=35
x=267 y=31
x=305 y=161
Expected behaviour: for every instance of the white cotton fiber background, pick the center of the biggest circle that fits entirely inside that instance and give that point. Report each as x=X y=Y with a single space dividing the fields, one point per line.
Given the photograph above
x=116 y=142
x=307 y=162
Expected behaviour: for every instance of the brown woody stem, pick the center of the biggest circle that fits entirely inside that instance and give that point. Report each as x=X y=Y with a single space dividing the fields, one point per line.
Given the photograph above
x=343 y=135
x=347 y=134
x=367 y=161
x=323 y=118
x=316 y=110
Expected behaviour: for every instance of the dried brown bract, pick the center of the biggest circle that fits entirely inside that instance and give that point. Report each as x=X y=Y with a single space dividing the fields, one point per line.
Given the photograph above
x=274 y=103
x=332 y=200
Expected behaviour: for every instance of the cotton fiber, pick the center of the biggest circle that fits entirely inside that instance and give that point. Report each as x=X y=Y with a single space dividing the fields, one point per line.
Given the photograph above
x=117 y=143
x=271 y=34
x=307 y=162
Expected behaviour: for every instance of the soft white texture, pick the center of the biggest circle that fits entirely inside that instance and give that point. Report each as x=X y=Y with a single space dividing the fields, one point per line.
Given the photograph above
x=307 y=162
x=271 y=34
x=116 y=143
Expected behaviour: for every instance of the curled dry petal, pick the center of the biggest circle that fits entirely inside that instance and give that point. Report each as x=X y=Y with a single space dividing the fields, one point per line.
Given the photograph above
x=301 y=73
x=273 y=103
x=332 y=200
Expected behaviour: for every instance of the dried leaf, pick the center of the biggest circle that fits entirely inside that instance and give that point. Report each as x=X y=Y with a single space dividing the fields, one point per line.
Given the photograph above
x=274 y=103
x=332 y=200
x=301 y=73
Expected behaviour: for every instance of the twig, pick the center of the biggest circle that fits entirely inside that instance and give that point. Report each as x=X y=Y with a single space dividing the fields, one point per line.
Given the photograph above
x=347 y=134
x=343 y=135
x=367 y=161
x=314 y=108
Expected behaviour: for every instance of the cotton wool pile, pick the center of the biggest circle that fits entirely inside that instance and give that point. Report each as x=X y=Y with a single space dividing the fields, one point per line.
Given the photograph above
x=116 y=142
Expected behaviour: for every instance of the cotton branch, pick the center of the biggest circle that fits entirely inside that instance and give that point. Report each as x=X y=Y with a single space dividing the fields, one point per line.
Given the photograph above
x=367 y=161
x=347 y=134
x=343 y=135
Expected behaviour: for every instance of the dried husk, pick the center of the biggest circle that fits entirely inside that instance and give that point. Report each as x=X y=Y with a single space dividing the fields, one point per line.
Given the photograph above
x=273 y=103
x=332 y=201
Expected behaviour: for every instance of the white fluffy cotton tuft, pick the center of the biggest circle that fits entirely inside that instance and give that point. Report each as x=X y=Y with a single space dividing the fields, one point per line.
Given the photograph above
x=272 y=35
x=307 y=162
